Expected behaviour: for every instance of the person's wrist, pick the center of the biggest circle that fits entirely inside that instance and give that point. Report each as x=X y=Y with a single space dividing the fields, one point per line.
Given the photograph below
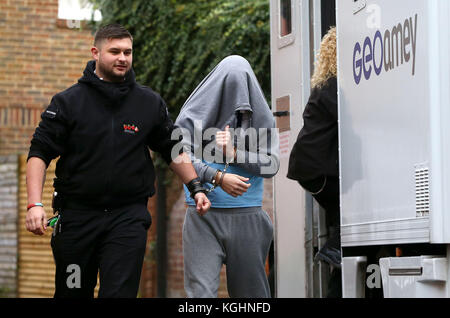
x=195 y=186
x=222 y=175
x=218 y=177
x=214 y=178
x=34 y=205
x=195 y=195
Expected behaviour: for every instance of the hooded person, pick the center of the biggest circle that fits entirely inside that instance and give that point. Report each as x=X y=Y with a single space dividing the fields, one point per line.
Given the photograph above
x=229 y=130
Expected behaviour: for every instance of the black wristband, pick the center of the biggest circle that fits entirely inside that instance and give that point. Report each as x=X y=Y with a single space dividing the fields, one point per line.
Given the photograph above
x=195 y=186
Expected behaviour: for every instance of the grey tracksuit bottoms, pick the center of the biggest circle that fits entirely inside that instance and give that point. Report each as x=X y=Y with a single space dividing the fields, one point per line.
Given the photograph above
x=239 y=238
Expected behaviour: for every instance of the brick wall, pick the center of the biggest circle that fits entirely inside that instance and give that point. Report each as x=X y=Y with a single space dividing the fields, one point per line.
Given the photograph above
x=40 y=56
x=8 y=225
x=175 y=279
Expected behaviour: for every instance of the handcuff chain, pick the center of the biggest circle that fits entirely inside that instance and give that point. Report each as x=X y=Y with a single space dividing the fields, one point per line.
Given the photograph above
x=216 y=184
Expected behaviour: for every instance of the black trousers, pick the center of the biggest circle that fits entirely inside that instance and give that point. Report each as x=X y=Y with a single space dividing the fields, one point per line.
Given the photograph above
x=328 y=198
x=112 y=242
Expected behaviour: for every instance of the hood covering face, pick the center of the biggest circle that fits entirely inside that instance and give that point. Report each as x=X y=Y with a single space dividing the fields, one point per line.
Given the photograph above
x=113 y=91
x=229 y=88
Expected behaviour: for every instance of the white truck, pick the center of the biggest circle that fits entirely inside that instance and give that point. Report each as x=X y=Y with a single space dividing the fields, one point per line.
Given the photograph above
x=394 y=146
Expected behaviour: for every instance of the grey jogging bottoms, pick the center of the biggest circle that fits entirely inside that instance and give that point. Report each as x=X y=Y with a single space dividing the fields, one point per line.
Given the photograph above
x=239 y=238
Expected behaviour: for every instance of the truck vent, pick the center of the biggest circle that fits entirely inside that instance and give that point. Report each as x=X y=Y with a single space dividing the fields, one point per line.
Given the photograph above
x=422 y=192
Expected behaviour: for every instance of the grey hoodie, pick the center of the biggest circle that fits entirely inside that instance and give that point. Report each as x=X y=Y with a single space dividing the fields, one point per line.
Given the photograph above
x=229 y=89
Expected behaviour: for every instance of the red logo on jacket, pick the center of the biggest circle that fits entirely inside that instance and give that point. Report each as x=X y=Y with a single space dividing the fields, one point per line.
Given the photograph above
x=130 y=129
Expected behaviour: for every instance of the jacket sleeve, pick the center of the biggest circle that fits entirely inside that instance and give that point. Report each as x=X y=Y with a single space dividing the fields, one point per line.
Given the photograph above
x=204 y=172
x=160 y=138
x=49 y=138
x=328 y=97
x=262 y=161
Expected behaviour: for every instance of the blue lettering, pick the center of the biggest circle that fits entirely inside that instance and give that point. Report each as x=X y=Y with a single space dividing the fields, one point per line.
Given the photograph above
x=382 y=51
x=357 y=64
x=367 y=58
x=380 y=67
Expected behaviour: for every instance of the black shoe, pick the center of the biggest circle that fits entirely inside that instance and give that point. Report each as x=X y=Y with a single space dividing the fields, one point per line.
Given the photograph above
x=329 y=255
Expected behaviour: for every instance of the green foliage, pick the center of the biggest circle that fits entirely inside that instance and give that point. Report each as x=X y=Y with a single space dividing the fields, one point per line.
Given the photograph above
x=177 y=42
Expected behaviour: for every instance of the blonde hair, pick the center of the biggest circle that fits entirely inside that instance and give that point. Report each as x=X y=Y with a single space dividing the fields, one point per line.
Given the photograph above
x=325 y=66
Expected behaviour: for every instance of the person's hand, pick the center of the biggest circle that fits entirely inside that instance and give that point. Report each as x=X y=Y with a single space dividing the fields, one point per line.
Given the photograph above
x=233 y=184
x=223 y=142
x=36 y=220
x=202 y=203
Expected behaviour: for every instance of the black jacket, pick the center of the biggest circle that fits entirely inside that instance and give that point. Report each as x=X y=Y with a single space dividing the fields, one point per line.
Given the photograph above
x=102 y=132
x=315 y=152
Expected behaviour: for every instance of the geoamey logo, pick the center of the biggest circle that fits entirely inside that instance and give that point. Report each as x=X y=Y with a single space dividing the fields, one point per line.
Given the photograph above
x=395 y=48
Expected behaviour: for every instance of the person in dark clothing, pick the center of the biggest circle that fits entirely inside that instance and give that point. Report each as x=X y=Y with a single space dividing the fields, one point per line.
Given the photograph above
x=314 y=160
x=102 y=128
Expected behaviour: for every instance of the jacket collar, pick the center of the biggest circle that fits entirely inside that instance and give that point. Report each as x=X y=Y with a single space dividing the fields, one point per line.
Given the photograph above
x=112 y=91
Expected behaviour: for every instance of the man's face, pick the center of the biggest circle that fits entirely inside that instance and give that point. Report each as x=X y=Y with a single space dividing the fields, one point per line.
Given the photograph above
x=114 y=58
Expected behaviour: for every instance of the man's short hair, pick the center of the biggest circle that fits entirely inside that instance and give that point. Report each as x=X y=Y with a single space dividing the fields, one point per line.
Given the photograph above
x=111 y=31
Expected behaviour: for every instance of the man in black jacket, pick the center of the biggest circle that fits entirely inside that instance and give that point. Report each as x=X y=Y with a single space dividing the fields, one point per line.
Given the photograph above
x=101 y=128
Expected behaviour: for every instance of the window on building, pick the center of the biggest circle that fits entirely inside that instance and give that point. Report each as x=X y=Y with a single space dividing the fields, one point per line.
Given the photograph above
x=77 y=10
x=285 y=17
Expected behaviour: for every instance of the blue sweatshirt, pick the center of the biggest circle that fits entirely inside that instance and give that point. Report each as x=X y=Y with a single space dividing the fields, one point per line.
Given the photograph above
x=221 y=199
